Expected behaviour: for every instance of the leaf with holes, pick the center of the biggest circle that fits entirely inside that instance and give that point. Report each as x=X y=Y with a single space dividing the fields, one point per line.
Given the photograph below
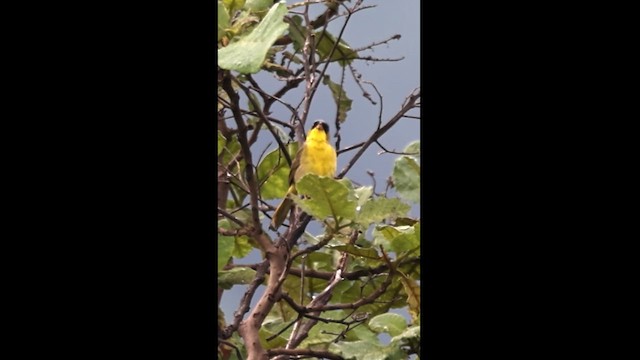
x=325 y=197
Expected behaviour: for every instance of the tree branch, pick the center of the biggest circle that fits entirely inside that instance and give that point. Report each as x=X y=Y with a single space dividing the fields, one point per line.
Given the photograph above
x=305 y=352
x=409 y=104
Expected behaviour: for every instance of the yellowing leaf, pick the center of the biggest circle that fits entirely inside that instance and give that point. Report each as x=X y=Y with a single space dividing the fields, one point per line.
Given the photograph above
x=412 y=289
x=223 y=20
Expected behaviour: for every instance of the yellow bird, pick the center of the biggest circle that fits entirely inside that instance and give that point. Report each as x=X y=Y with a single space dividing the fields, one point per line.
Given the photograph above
x=316 y=156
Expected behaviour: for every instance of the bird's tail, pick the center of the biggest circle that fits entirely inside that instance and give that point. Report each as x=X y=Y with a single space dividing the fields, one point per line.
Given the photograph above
x=281 y=213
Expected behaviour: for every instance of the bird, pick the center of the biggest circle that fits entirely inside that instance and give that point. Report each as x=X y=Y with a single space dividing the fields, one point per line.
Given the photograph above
x=316 y=156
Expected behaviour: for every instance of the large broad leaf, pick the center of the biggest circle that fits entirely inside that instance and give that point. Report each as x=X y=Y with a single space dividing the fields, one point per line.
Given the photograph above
x=365 y=350
x=376 y=210
x=391 y=323
x=326 y=197
x=274 y=171
x=339 y=97
x=247 y=54
x=406 y=178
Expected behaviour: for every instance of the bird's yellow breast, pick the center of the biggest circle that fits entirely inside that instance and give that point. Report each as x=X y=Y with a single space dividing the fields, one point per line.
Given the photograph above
x=318 y=157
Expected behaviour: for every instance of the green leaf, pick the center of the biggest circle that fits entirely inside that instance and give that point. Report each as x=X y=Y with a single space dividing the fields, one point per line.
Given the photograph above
x=369 y=253
x=242 y=25
x=253 y=99
x=413 y=148
x=339 y=97
x=258 y=5
x=363 y=194
x=365 y=350
x=271 y=326
x=396 y=238
x=406 y=178
x=412 y=289
x=235 y=276
x=319 y=261
x=221 y=141
x=323 y=333
x=364 y=333
x=241 y=247
x=230 y=150
x=233 y=5
x=297 y=32
x=391 y=323
x=223 y=20
x=325 y=43
x=285 y=138
x=327 y=197
x=226 y=245
x=237 y=341
x=408 y=240
x=410 y=335
x=405 y=221
x=247 y=54
x=376 y=210
x=274 y=171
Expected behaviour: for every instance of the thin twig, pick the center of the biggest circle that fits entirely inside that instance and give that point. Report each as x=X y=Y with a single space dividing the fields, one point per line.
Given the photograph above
x=409 y=103
x=226 y=214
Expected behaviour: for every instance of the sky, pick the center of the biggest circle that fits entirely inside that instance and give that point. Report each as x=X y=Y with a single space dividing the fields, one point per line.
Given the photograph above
x=394 y=80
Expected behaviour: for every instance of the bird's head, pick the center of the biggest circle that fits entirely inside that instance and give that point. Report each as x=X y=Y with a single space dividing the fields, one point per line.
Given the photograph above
x=319 y=131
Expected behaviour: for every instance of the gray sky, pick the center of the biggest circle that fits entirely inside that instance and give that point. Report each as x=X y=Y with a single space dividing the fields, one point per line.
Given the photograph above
x=394 y=80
